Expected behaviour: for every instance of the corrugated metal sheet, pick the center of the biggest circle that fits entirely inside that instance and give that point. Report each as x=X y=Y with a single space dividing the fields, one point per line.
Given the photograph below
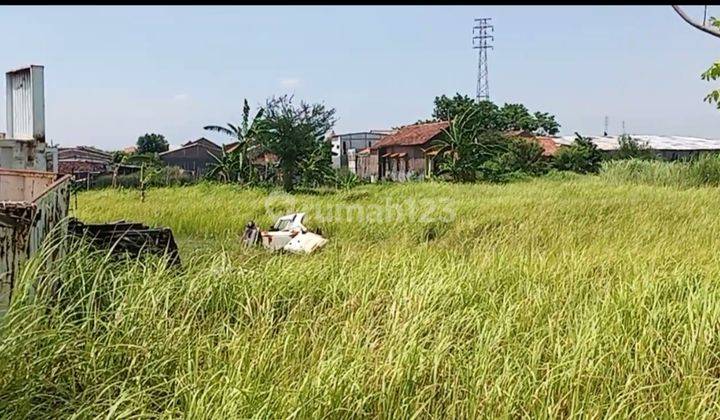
x=33 y=204
x=655 y=142
x=25 y=104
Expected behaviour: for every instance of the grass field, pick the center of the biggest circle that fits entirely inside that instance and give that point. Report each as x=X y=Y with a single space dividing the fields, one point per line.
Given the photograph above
x=541 y=298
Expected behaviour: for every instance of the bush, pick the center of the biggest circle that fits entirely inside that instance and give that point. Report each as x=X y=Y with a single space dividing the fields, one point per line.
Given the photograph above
x=523 y=156
x=583 y=156
x=630 y=148
x=345 y=179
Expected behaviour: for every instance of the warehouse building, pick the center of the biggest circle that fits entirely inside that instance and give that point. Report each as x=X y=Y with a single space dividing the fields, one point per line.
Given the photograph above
x=194 y=156
x=346 y=146
x=667 y=147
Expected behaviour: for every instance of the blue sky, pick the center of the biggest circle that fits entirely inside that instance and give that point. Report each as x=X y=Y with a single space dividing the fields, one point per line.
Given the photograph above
x=114 y=73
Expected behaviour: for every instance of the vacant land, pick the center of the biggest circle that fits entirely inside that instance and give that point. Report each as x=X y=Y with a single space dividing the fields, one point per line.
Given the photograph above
x=540 y=298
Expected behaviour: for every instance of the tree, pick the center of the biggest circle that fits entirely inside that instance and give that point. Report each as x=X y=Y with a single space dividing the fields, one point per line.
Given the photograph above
x=490 y=117
x=152 y=143
x=448 y=108
x=582 y=156
x=237 y=164
x=547 y=124
x=295 y=134
x=713 y=73
x=517 y=117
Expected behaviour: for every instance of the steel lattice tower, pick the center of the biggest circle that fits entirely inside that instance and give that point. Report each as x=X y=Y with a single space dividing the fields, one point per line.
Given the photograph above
x=480 y=42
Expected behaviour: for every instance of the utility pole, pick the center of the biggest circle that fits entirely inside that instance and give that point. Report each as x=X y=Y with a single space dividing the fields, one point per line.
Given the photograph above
x=480 y=43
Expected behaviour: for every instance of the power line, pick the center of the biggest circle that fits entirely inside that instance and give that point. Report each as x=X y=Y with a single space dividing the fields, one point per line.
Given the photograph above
x=480 y=42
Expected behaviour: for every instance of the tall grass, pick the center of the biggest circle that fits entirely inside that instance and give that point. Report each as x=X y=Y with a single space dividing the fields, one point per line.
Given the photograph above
x=539 y=299
x=703 y=171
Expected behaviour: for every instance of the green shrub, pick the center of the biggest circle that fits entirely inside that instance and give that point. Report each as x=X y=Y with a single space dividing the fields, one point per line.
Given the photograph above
x=523 y=156
x=583 y=156
x=631 y=148
x=345 y=179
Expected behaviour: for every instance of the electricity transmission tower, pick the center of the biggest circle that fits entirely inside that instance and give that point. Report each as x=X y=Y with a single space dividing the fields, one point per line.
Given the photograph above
x=480 y=42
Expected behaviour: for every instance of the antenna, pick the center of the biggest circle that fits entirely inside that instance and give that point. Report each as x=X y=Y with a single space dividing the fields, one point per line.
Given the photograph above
x=480 y=43
x=607 y=121
x=624 y=132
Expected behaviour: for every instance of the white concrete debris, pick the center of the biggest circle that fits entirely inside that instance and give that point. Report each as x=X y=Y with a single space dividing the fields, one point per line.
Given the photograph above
x=287 y=234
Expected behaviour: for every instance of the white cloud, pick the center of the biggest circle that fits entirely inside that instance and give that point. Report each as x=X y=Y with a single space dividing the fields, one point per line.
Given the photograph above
x=181 y=97
x=290 y=82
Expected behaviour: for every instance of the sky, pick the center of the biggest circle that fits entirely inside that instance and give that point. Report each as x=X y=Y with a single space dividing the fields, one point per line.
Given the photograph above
x=115 y=73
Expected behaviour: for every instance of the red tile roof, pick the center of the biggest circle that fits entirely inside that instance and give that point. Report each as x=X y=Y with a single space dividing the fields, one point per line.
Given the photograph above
x=412 y=135
x=548 y=144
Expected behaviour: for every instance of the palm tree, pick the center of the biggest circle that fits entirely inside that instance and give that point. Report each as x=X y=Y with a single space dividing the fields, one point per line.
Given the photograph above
x=237 y=161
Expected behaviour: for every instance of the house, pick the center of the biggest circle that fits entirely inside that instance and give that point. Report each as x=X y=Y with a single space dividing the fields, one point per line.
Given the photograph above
x=83 y=160
x=346 y=146
x=409 y=152
x=194 y=156
x=668 y=147
x=402 y=155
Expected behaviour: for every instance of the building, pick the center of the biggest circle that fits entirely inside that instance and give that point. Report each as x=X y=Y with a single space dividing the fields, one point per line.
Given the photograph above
x=194 y=156
x=346 y=146
x=402 y=155
x=667 y=147
x=409 y=152
x=83 y=159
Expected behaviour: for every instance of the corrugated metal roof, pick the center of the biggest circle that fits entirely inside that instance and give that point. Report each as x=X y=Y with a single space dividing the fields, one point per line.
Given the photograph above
x=655 y=142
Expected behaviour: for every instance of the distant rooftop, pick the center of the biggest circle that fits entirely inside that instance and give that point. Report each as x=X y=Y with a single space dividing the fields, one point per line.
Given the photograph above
x=655 y=142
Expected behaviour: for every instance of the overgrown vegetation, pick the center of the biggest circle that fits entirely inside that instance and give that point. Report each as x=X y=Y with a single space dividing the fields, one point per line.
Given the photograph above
x=168 y=176
x=583 y=156
x=547 y=298
x=468 y=151
x=288 y=139
x=632 y=148
x=295 y=134
x=238 y=164
x=701 y=171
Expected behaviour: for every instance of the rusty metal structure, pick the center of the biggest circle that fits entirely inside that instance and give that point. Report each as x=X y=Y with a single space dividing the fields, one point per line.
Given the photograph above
x=128 y=238
x=24 y=145
x=32 y=204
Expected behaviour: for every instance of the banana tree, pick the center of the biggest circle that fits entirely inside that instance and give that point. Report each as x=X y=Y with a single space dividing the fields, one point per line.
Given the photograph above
x=237 y=161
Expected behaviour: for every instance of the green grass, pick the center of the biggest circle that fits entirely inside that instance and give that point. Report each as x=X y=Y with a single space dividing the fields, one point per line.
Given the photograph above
x=552 y=297
x=702 y=171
